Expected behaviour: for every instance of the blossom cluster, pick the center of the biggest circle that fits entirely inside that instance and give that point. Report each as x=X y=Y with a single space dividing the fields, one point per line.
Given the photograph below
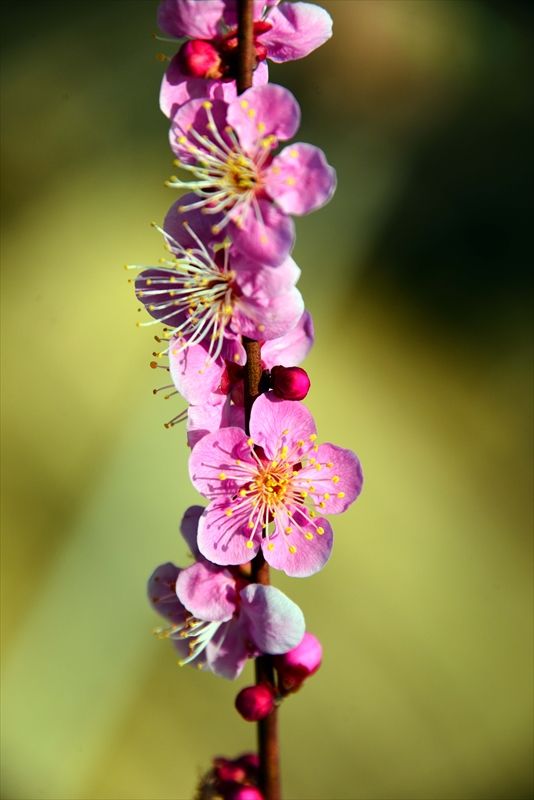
x=229 y=278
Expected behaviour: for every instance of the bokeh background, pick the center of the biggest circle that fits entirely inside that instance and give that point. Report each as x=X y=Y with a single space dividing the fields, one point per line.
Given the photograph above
x=418 y=275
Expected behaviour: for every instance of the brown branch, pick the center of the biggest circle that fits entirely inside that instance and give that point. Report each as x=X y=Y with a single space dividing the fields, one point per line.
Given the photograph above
x=268 y=727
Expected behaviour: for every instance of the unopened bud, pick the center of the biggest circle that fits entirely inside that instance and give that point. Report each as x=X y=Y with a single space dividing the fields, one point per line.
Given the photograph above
x=255 y=702
x=238 y=792
x=301 y=662
x=227 y=770
x=290 y=383
x=198 y=59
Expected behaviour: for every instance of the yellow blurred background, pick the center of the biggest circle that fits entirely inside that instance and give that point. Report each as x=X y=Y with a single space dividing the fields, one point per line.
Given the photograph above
x=419 y=280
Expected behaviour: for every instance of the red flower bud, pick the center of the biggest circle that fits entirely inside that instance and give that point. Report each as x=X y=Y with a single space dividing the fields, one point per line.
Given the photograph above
x=255 y=702
x=301 y=662
x=239 y=792
x=290 y=383
x=227 y=770
x=198 y=59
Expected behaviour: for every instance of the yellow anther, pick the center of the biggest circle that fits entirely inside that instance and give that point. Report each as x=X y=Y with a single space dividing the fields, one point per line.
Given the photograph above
x=250 y=545
x=300 y=443
x=304 y=494
x=318 y=466
x=250 y=442
x=244 y=104
x=312 y=461
x=313 y=437
x=294 y=154
x=215 y=229
x=312 y=514
x=275 y=170
x=261 y=126
x=315 y=448
x=228 y=512
x=284 y=433
x=290 y=181
x=335 y=479
x=327 y=496
x=222 y=476
x=236 y=357
x=228 y=309
x=242 y=493
x=274 y=464
x=320 y=531
x=175 y=352
x=263 y=239
x=251 y=112
x=329 y=464
x=181 y=140
x=261 y=327
x=289 y=530
x=181 y=209
x=270 y=546
x=308 y=536
x=250 y=524
x=292 y=549
x=322 y=505
x=207 y=104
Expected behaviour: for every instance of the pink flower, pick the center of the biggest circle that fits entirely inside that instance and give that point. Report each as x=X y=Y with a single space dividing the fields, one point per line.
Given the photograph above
x=218 y=619
x=266 y=491
x=300 y=663
x=249 y=193
x=206 y=66
x=216 y=391
x=215 y=298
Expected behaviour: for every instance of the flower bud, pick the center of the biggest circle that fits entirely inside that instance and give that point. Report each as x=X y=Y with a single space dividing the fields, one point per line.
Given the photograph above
x=290 y=383
x=301 y=662
x=227 y=770
x=251 y=763
x=239 y=792
x=198 y=59
x=255 y=702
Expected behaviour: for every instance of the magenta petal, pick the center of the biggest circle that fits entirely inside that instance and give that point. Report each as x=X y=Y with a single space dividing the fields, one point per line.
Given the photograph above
x=273 y=622
x=310 y=555
x=268 y=241
x=192 y=373
x=263 y=111
x=196 y=19
x=189 y=529
x=207 y=418
x=207 y=591
x=191 y=116
x=347 y=471
x=298 y=28
x=300 y=179
x=212 y=464
x=291 y=349
x=222 y=538
x=227 y=652
x=268 y=320
x=200 y=224
x=161 y=592
x=256 y=282
x=270 y=417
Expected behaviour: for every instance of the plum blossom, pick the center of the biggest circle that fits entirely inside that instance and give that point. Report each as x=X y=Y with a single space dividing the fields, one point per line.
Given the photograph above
x=216 y=391
x=205 y=65
x=213 y=298
x=267 y=490
x=217 y=618
x=249 y=193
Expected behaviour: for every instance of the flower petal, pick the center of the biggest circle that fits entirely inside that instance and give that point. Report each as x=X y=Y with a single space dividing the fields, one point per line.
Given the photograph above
x=265 y=233
x=273 y=622
x=309 y=554
x=197 y=19
x=161 y=591
x=339 y=484
x=298 y=29
x=227 y=652
x=291 y=349
x=256 y=282
x=300 y=179
x=214 y=463
x=270 y=417
x=269 y=320
x=192 y=117
x=207 y=591
x=189 y=529
x=230 y=12
x=222 y=538
x=200 y=224
x=263 y=111
x=192 y=373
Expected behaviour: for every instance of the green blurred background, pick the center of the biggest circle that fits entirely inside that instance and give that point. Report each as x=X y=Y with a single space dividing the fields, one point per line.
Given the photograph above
x=419 y=279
